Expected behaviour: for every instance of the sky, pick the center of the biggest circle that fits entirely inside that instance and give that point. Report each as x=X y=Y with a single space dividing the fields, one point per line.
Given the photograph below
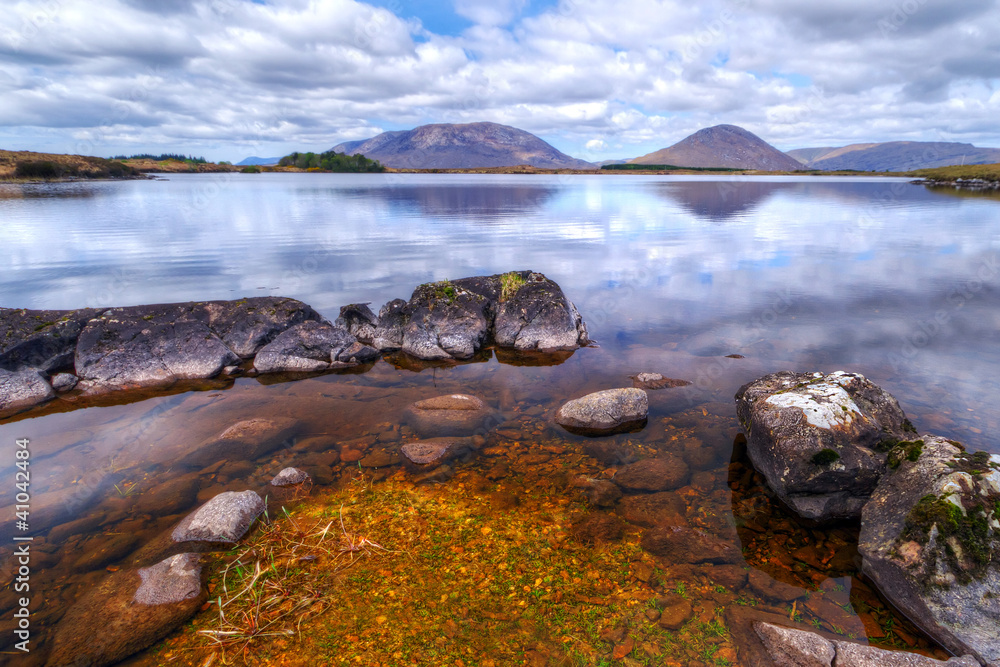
x=598 y=79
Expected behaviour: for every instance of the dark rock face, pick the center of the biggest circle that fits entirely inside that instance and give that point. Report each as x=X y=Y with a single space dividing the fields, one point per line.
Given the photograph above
x=455 y=414
x=820 y=439
x=359 y=319
x=312 y=346
x=225 y=518
x=42 y=339
x=605 y=412
x=128 y=611
x=538 y=316
x=247 y=325
x=930 y=540
x=678 y=544
x=520 y=310
x=664 y=473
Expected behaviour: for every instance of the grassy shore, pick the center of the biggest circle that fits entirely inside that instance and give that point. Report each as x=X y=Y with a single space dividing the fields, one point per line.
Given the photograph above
x=985 y=172
x=26 y=166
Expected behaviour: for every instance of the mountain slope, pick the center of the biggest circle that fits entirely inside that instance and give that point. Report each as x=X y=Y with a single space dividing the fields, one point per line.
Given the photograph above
x=463 y=146
x=254 y=161
x=896 y=156
x=722 y=146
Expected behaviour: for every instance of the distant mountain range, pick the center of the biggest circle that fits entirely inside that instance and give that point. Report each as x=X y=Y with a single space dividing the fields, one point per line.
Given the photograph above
x=722 y=146
x=895 y=156
x=257 y=161
x=464 y=146
x=485 y=145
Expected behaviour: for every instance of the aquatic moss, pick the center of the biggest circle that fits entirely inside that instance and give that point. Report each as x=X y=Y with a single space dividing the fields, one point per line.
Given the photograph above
x=510 y=283
x=825 y=457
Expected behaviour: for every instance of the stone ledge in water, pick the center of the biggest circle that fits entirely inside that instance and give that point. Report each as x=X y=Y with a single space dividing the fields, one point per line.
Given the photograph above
x=788 y=647
x=818 y=439
x=930 y=540
x=127 y=612
x=655 y=381
x=225 y=518
x=605 y=412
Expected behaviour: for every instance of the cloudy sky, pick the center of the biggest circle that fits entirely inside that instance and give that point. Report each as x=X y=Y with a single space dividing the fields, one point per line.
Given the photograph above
x=596 y=78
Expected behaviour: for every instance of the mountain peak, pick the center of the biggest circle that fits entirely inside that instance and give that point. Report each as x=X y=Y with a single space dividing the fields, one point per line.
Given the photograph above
x=722 y=146
x=461 y=146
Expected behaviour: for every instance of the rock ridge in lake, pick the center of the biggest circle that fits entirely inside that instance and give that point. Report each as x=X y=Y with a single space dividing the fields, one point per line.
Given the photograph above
x=94 y=351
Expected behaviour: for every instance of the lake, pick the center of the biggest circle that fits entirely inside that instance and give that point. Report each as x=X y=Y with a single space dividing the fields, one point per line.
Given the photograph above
x=712 y=280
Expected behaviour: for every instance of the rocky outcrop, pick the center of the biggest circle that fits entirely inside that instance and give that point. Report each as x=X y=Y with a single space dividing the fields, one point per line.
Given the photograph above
x=22 y=389
x=225 y=518
x=820 y=440
x=788 y=647
x=605 y=412
x=312 y=346
x=451 y=415
x=359 y=319
x=520 y=310
x=129 y=611
x=930 y=540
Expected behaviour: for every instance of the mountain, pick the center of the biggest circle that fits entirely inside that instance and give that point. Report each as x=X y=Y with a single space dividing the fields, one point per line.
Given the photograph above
x=722 y=146
x=465 y=146
x=895 y=156
x=254 y=160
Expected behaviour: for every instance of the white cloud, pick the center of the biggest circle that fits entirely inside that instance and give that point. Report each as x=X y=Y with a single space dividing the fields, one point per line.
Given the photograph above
x=230 y=77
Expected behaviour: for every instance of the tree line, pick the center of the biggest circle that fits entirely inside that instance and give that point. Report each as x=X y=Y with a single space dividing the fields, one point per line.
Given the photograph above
x=331 y=161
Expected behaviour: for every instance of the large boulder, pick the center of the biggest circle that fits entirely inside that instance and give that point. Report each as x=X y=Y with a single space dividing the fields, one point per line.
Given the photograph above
x=534 y=314
x=225 y=518
x=820 y=440
x=453 y=414
x=930 y=540
x=129 y=611
x=518 y=310
x=126 y=348
x=605 y=412
x=312 y=346
x=22 y=389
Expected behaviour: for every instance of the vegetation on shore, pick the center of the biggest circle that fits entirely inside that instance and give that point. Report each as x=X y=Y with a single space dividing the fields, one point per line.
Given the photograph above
x=664 y=167
x=985 y=172
x=331 y=161
x=30 y=166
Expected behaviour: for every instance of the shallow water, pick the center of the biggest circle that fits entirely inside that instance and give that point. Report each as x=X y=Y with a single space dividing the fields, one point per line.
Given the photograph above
x=870 y=275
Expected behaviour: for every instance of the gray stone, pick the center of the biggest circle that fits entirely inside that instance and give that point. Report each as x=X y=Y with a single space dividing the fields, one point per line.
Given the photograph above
x=663 y=473
x=392 y=319
x=817 y=438
x=40 y=339
x=290 y=477
x=64 y=381
x=247 y=325
x=538 y=316
x=448 y=320
x=930 y=540
x=450 y=415
x=23 y=389
x=312 y=346
x=360 y=321
x=127 y=612
x=795 y=648
x=144 y=346
x=788 y=647
x=605 y=412
x=224 y=518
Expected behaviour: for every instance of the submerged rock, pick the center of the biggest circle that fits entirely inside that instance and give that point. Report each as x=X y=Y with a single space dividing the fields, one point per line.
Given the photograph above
x=605 y=412
x=225 y=518
x=129 y=611
x=424 y=454
x=599 y=492
x=820 y=440
x=453 y=414
x=290 y=477
x=663 y=473
x=679 y=544
x=245 y=440
x=312 y=346
x=655 y=381
x=930 y=540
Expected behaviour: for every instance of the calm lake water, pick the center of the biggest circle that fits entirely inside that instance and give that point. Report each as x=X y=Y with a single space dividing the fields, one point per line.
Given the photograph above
x=672 y=274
